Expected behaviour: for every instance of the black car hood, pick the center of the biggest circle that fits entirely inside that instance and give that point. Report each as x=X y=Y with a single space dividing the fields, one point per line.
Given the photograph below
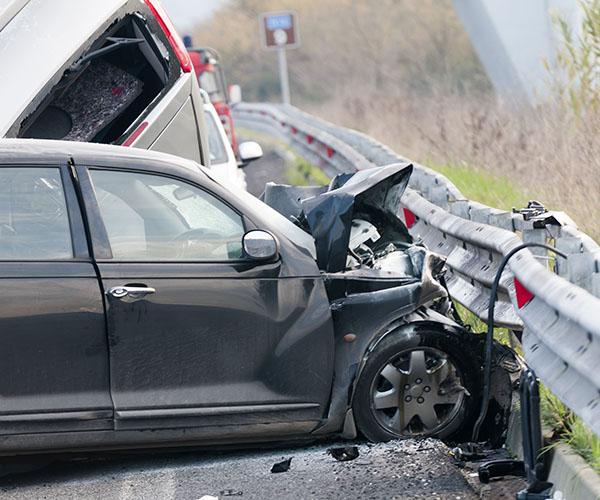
x=373 y=194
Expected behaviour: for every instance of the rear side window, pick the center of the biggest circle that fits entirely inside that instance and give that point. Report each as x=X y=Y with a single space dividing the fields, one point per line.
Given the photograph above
x=107 y=89
x=34 y=224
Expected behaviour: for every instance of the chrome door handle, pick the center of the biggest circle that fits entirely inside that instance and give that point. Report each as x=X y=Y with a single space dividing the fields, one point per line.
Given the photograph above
x=134 y=292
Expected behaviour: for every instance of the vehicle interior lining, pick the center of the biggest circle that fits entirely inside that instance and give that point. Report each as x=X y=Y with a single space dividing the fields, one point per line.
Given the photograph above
x=102 y=94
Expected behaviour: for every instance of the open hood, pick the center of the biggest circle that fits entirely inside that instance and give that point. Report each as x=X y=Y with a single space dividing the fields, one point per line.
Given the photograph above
x=330 y=214
x=372 y=194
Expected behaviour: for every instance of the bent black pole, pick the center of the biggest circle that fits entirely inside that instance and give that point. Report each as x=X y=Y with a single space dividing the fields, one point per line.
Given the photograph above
x=489 y=338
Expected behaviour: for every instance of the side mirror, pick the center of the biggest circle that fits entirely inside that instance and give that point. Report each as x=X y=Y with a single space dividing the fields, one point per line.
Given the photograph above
x=249 y=151
x=235 y=94
x=260 y=245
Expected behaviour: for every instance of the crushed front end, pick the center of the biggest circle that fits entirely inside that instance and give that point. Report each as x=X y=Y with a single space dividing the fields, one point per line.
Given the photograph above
x=382 y=286
x=362 y=246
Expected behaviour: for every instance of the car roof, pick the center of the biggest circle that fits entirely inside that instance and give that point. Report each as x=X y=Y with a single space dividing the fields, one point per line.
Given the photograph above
x=50 y=152
x=9 y=9
x=38 y=40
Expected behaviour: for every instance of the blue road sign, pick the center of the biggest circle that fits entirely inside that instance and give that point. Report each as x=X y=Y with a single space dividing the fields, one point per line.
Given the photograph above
x=279 y=22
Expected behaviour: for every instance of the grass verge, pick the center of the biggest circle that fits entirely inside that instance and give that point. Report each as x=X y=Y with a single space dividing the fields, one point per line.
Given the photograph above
x=568 y=428
x=304 y=173
x=502 y=335
x=484 y=187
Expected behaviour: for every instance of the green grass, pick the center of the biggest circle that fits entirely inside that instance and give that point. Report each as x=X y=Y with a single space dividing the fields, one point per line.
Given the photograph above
x=481 y=186
x=555 y=414
x=502 y=335
x=584 y=442
x=569 y=429
x=267 y=141
x=303 y=173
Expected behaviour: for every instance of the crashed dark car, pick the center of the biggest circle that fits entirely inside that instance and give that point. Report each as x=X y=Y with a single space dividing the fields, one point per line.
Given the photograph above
x=145 y=305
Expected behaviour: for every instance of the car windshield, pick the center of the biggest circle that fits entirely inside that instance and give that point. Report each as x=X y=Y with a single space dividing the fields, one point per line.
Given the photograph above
x=218 y=152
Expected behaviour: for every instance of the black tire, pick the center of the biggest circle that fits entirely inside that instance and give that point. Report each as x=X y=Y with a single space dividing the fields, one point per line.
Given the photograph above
x=451 y=350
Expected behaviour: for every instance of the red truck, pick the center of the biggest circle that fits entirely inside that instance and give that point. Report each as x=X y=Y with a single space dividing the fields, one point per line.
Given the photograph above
x=212 y=80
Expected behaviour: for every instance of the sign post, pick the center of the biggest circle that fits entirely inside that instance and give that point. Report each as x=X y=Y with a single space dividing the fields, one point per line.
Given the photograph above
x=279 y=31
x=284 y=78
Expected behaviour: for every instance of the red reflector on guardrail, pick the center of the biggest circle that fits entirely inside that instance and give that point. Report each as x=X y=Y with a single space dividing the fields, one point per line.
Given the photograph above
x=524 y=296
x=309 y=139
x=294 y=130
x=409 y=218
x=329 y=152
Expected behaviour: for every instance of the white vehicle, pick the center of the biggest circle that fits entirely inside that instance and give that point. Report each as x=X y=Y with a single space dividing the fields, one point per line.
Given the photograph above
x=223 y=164
x=106 y=71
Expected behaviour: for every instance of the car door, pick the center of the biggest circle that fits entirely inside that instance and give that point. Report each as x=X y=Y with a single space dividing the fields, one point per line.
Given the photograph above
x=200 y=335
x=53 y=346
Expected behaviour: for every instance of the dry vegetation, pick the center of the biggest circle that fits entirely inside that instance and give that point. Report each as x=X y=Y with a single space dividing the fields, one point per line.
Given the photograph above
x=348 y=45
x=405 y=73
x=550 y=155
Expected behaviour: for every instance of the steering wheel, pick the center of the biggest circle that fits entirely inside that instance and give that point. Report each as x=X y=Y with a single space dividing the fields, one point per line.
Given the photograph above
x=186 y=240
x=197 y=233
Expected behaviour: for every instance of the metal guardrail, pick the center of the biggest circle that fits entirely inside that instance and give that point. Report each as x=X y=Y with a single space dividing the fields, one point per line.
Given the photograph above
x=555 y=302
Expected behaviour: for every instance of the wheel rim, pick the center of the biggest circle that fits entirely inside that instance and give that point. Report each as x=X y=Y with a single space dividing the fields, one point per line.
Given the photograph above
x=417 y=392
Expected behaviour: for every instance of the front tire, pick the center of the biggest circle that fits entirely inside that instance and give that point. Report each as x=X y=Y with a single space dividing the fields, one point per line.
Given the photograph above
x=416 y=383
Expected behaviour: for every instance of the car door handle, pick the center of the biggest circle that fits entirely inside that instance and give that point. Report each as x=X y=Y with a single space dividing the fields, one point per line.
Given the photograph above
x=134 y=292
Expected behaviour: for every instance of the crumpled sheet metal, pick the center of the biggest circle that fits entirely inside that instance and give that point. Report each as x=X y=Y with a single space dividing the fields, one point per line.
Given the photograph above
x=330 y=214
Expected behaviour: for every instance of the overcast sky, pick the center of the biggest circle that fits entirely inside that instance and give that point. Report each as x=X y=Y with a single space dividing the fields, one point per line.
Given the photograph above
x=186 y=13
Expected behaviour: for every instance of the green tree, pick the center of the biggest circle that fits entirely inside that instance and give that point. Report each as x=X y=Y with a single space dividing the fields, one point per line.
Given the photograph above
x=578 y=61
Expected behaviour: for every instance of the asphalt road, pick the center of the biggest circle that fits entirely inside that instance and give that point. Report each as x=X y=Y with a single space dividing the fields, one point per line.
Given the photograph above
x=270 y=168
x=402 y=469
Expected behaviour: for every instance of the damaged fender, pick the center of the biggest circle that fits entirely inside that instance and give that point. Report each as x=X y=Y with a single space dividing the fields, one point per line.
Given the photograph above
x=351 y=355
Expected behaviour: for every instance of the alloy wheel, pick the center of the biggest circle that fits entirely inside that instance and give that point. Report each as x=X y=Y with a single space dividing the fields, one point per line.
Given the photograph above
x=417 y=392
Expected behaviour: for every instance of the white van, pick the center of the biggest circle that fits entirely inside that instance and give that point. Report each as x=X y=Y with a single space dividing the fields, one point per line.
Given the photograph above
x=223 y=163
x=106 y=71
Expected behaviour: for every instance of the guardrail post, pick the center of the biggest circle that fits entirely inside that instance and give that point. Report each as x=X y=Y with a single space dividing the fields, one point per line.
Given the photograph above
x=571 y=247
x=535 y=235
x=460 y=208
x=439 y=196
x=595 y=278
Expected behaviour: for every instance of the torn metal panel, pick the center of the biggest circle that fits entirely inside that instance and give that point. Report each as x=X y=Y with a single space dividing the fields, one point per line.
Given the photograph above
x=374 y=194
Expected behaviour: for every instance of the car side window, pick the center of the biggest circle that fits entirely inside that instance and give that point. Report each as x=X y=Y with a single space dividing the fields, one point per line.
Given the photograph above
x=154 y=218
x=34 y=222
x=216 y=146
